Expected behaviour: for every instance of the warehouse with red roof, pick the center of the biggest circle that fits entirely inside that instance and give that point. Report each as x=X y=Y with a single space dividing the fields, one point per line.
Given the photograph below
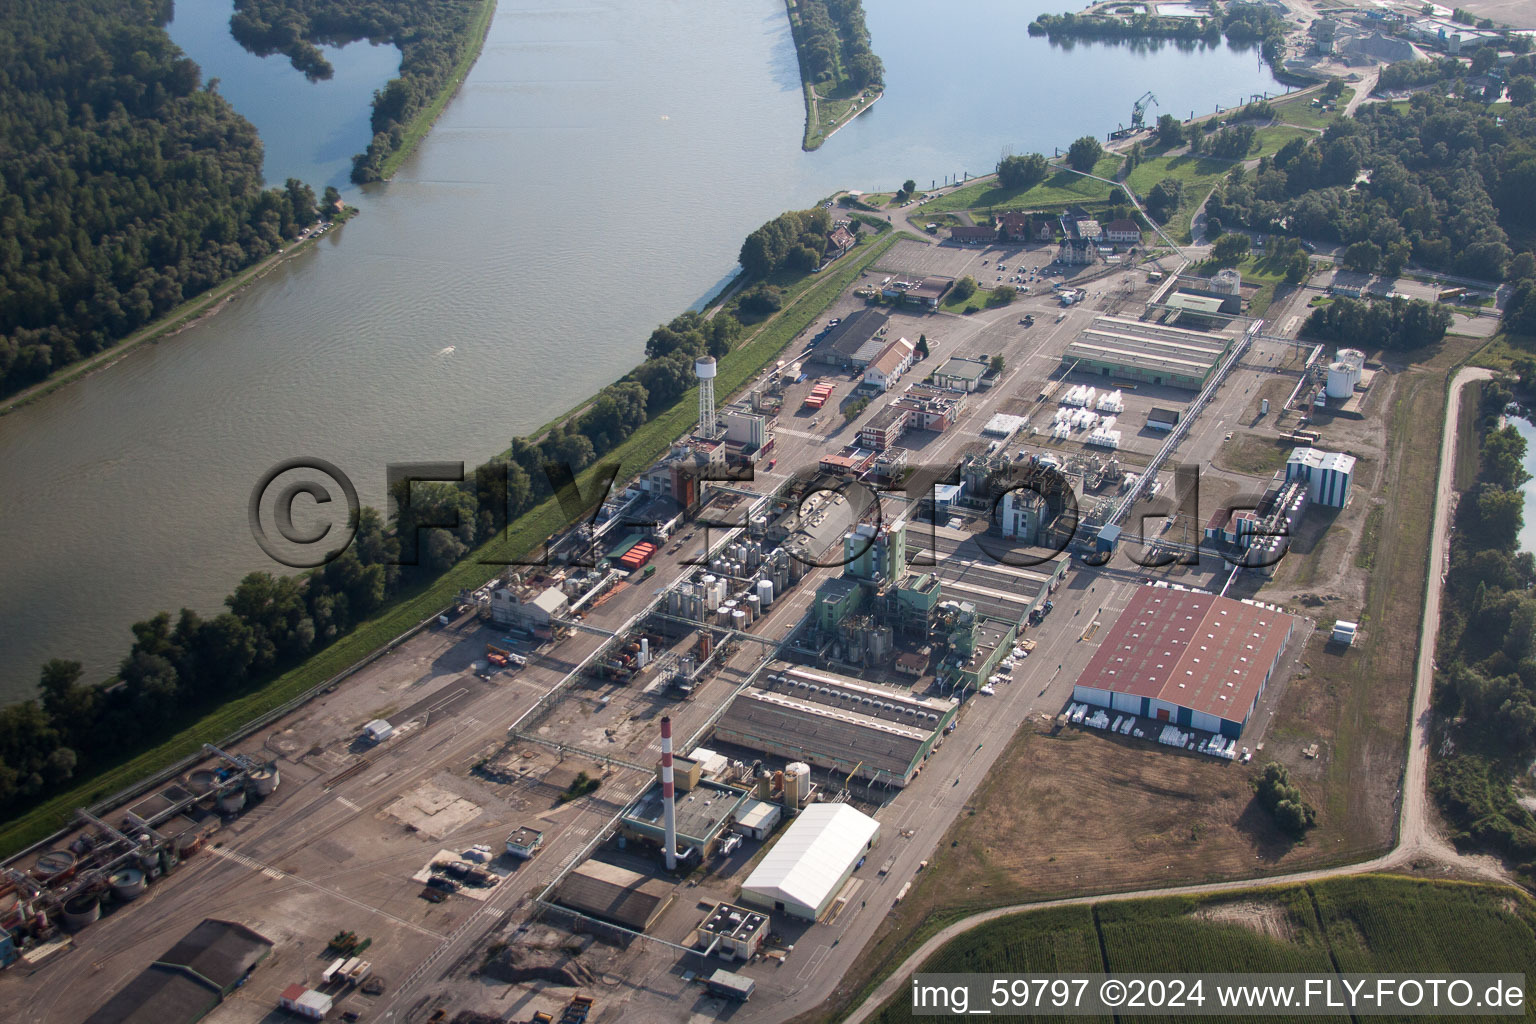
x=1187 y=657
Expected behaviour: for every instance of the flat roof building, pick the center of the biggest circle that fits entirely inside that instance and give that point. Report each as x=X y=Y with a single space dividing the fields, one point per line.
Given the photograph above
x=838 y=724
x=842 y=344
x=1328 y=474
x=1118 y=347
x=612 y=893
x=702 y=814
x=187 y=981
x=809 y=865
x=733 y=932
x=960 y=374
x=1187 y=657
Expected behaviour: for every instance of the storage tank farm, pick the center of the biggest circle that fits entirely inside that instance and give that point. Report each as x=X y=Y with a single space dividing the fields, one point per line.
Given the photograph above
x=102 y=864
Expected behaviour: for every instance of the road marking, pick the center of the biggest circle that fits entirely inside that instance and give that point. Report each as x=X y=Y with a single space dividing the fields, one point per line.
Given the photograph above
x=814 y=962
x=244 y=861
x=348 y=804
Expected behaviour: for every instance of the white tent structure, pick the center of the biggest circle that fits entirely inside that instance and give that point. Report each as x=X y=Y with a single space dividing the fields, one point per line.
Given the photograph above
x=809 y=865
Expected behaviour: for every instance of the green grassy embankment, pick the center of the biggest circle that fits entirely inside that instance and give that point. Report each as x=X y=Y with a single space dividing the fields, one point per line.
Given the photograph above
x=1062 y=188
x=427 y=117
x=806 y=302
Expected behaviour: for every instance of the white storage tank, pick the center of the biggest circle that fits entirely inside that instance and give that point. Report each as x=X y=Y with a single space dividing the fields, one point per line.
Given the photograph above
x=739 y=620
x=797 y=784
x=1341 y=380
x=765 y=592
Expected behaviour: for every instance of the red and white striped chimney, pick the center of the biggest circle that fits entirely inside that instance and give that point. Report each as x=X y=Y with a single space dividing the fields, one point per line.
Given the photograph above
x=668 y=803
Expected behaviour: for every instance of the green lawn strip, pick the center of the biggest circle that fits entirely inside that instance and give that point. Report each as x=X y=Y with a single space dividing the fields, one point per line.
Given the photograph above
x=530 y=530
x=1060 y=189
x=428 y=115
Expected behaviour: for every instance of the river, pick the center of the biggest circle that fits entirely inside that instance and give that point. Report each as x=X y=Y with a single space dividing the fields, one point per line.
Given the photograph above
x=1527 y=430
x=594 y=176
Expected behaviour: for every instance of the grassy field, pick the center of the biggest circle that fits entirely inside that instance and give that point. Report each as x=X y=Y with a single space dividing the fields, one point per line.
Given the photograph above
x=1199 y=174
x=423 y=121
x=1368 y=924
x=805 y=301
x=1254 y=454
x=1060 y=189
x=1299 y=110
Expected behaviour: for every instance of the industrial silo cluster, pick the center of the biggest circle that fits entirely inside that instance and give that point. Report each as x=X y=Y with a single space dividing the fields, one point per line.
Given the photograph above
x=102 y=866
x=1344 y=373
x=738 y=588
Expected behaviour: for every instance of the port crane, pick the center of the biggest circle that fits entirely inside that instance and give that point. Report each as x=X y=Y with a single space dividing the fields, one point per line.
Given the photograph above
x=1139 y=110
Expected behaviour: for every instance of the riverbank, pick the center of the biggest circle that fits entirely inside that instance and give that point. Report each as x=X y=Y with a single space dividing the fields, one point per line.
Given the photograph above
x=422 y=123
x=234 y=719
x=189 y=314
x=838 y=99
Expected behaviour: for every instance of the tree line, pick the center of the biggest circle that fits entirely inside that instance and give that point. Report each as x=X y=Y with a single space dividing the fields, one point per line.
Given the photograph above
x=431 y=37
x=126 y=186
x=794 y=240
x=1485 y=682
x=1393 y=323
x=1240 y=22
x=1447 y=182
x=833 y=43
x=185 y=665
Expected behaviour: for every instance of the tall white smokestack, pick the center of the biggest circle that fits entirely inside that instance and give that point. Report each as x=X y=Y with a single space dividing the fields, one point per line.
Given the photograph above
x=668 y=803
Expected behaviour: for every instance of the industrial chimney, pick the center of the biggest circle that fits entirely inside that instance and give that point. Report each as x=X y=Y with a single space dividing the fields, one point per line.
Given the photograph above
x=668 y=801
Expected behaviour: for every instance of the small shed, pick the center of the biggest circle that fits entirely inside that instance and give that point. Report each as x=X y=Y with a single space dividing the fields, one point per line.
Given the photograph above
x=731 y=985
x=377 y=731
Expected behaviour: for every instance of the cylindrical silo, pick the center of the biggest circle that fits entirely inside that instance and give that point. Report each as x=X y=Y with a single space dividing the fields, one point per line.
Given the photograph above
x=754 y=607
x=127 y=884
x=765 y=592
x=797 y=784
x=1341 y=380
x=263 y=781
x=738 y=619
x=232 y=799
x=81 y=910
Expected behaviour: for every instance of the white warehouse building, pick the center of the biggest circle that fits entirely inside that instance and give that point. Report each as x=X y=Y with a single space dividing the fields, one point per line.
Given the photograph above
x=809 y=865
x=1328 y=475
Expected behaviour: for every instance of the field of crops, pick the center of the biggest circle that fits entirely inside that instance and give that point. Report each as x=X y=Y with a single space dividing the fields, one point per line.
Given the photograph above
x=1272 y=931
x=1369 y=924
x=1051 y=941
x=1387 y=924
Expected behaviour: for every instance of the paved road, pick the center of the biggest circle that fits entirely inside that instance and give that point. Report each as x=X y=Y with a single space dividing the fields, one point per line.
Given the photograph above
x=1415 y=836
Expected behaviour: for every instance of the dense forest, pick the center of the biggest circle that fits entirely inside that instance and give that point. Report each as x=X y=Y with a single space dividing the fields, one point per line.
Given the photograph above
x=181 y=666
x=432 y=37
x=1485 y=684
x=1240 y=23
x=1439 y=182
x=125 y=186
x=833 y=43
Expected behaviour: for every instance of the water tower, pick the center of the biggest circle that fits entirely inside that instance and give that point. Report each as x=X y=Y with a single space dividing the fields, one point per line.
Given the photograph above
x=704 y=368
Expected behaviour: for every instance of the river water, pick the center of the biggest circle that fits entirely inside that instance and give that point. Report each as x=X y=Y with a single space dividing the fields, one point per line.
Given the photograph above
x=594 y=176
